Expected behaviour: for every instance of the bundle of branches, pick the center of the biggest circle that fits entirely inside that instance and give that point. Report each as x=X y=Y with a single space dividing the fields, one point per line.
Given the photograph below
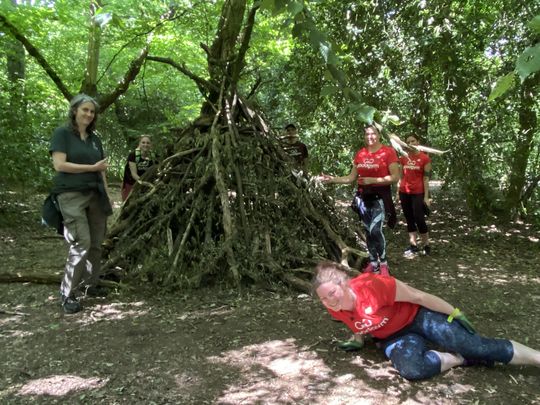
x=227 y=205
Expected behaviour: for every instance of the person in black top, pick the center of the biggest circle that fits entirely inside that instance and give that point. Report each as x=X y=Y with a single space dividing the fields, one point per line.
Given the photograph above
x=80 y=188
x=138 y=162
x=295 y=149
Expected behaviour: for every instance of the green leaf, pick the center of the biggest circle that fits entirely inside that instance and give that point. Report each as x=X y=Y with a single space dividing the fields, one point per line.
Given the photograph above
x=528 y=62
x=503 y=84
x=268 y=5
x=365 y=113
x=327 y=53
x=316 y=38
x=295 y=7
x=279 y=6
x=299 y=29
x=534 y=24
x=329 y=90
x=337 y=74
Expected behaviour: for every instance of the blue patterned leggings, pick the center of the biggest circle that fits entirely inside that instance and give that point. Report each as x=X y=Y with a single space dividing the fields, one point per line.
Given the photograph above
x=373 y=218
x=409 y=349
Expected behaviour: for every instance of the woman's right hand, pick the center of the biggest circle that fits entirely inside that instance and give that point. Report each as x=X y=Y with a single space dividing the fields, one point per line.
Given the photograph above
x=324 y=178
x=101 y=165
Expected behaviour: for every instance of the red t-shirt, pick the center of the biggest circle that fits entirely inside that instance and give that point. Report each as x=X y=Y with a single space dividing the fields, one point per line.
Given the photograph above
x=374 y=164
x=413 y=173
x=376 y=313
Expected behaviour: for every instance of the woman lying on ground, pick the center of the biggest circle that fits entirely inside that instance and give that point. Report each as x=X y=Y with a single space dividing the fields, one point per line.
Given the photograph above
x=408 y=324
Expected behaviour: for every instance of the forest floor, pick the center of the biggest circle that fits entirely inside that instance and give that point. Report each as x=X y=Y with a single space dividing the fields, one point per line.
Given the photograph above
x=216 y=346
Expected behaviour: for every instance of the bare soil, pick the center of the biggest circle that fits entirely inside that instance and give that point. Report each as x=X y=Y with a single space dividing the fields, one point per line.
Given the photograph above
x=256 y=346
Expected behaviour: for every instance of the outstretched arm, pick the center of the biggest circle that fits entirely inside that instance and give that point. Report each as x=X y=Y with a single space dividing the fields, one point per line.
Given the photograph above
x=406 y=293
x=351 y=177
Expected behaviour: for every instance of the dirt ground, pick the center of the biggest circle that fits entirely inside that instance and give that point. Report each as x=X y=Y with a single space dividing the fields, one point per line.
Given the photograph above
x=256 y=346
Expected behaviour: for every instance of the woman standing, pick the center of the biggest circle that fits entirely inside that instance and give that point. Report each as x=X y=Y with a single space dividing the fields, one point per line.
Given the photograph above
x=80 y=188
x=414 y=195
x=375 y=168
x=406 y=323
x=138 y=162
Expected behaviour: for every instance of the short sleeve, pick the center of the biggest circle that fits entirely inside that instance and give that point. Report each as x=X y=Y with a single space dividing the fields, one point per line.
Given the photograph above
x=391 y=157
x=59 y=141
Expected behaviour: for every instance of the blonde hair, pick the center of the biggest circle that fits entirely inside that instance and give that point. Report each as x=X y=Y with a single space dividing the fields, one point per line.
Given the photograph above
x=328 y=272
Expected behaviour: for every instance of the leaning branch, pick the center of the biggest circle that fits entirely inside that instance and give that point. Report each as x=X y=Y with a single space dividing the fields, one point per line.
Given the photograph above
x=201 y=83
x=33 y=51
x=246 y=38
x=121 y=88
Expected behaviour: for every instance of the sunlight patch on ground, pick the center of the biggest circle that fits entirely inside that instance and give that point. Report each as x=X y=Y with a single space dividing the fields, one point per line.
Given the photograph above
x=279 y=372
x=60 y=385
x=113 y=312
x=205 y=313
x=376 y=371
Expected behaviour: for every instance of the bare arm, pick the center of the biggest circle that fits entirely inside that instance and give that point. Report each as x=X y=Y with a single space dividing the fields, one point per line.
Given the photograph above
x=427 y=175
x=104 y=176
x=399 y=180
x=406 y=293
x=61 y=165
x=350 y=178
x=133 y=170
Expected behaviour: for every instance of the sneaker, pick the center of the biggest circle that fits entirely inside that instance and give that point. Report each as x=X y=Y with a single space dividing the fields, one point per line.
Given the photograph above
x=95 y=291
x=426 y=250
x=383 y=268
x=70 y=305
x=411 y=251
x=370 y=268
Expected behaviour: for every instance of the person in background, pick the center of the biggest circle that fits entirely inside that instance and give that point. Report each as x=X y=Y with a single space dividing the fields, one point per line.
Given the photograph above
x=138 y=162
x=80 y=187
x=408 y=324
x=375 y=168
x=297 y=150
x=414 y=196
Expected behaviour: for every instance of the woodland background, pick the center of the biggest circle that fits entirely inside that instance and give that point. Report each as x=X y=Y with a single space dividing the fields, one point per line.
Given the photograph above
x=214 y=82
x=426 y=67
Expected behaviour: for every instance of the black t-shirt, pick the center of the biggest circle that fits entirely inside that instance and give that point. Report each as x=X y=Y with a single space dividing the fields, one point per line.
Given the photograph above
x=142 y=166
x=86 y=152
x=297 y=151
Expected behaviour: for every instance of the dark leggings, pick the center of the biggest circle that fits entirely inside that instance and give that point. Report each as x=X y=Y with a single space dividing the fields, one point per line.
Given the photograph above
x=413 y=209
x=409 y=352
x=373 y=219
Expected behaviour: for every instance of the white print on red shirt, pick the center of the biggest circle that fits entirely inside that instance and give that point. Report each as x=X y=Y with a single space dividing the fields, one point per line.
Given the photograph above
x=366 y=325
x=368 y=164
x=412 y=164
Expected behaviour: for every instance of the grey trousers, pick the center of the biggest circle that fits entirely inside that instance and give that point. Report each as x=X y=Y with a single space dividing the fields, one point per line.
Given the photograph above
x=85 y=225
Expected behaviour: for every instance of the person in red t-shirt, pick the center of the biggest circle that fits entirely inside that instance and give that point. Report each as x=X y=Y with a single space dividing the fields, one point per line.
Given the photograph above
x=375 y=168
x=406 y=323
x=414 y=195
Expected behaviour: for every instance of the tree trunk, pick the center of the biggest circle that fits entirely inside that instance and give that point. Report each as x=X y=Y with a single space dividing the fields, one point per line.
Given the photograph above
x=528 y=125
x=16 y=70
x=89 y=85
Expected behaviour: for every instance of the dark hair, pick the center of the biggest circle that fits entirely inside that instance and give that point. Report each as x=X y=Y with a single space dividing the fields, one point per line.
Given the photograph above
x=413 y=135
x=75 y=104
x=291 y=125
x=373 y=126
